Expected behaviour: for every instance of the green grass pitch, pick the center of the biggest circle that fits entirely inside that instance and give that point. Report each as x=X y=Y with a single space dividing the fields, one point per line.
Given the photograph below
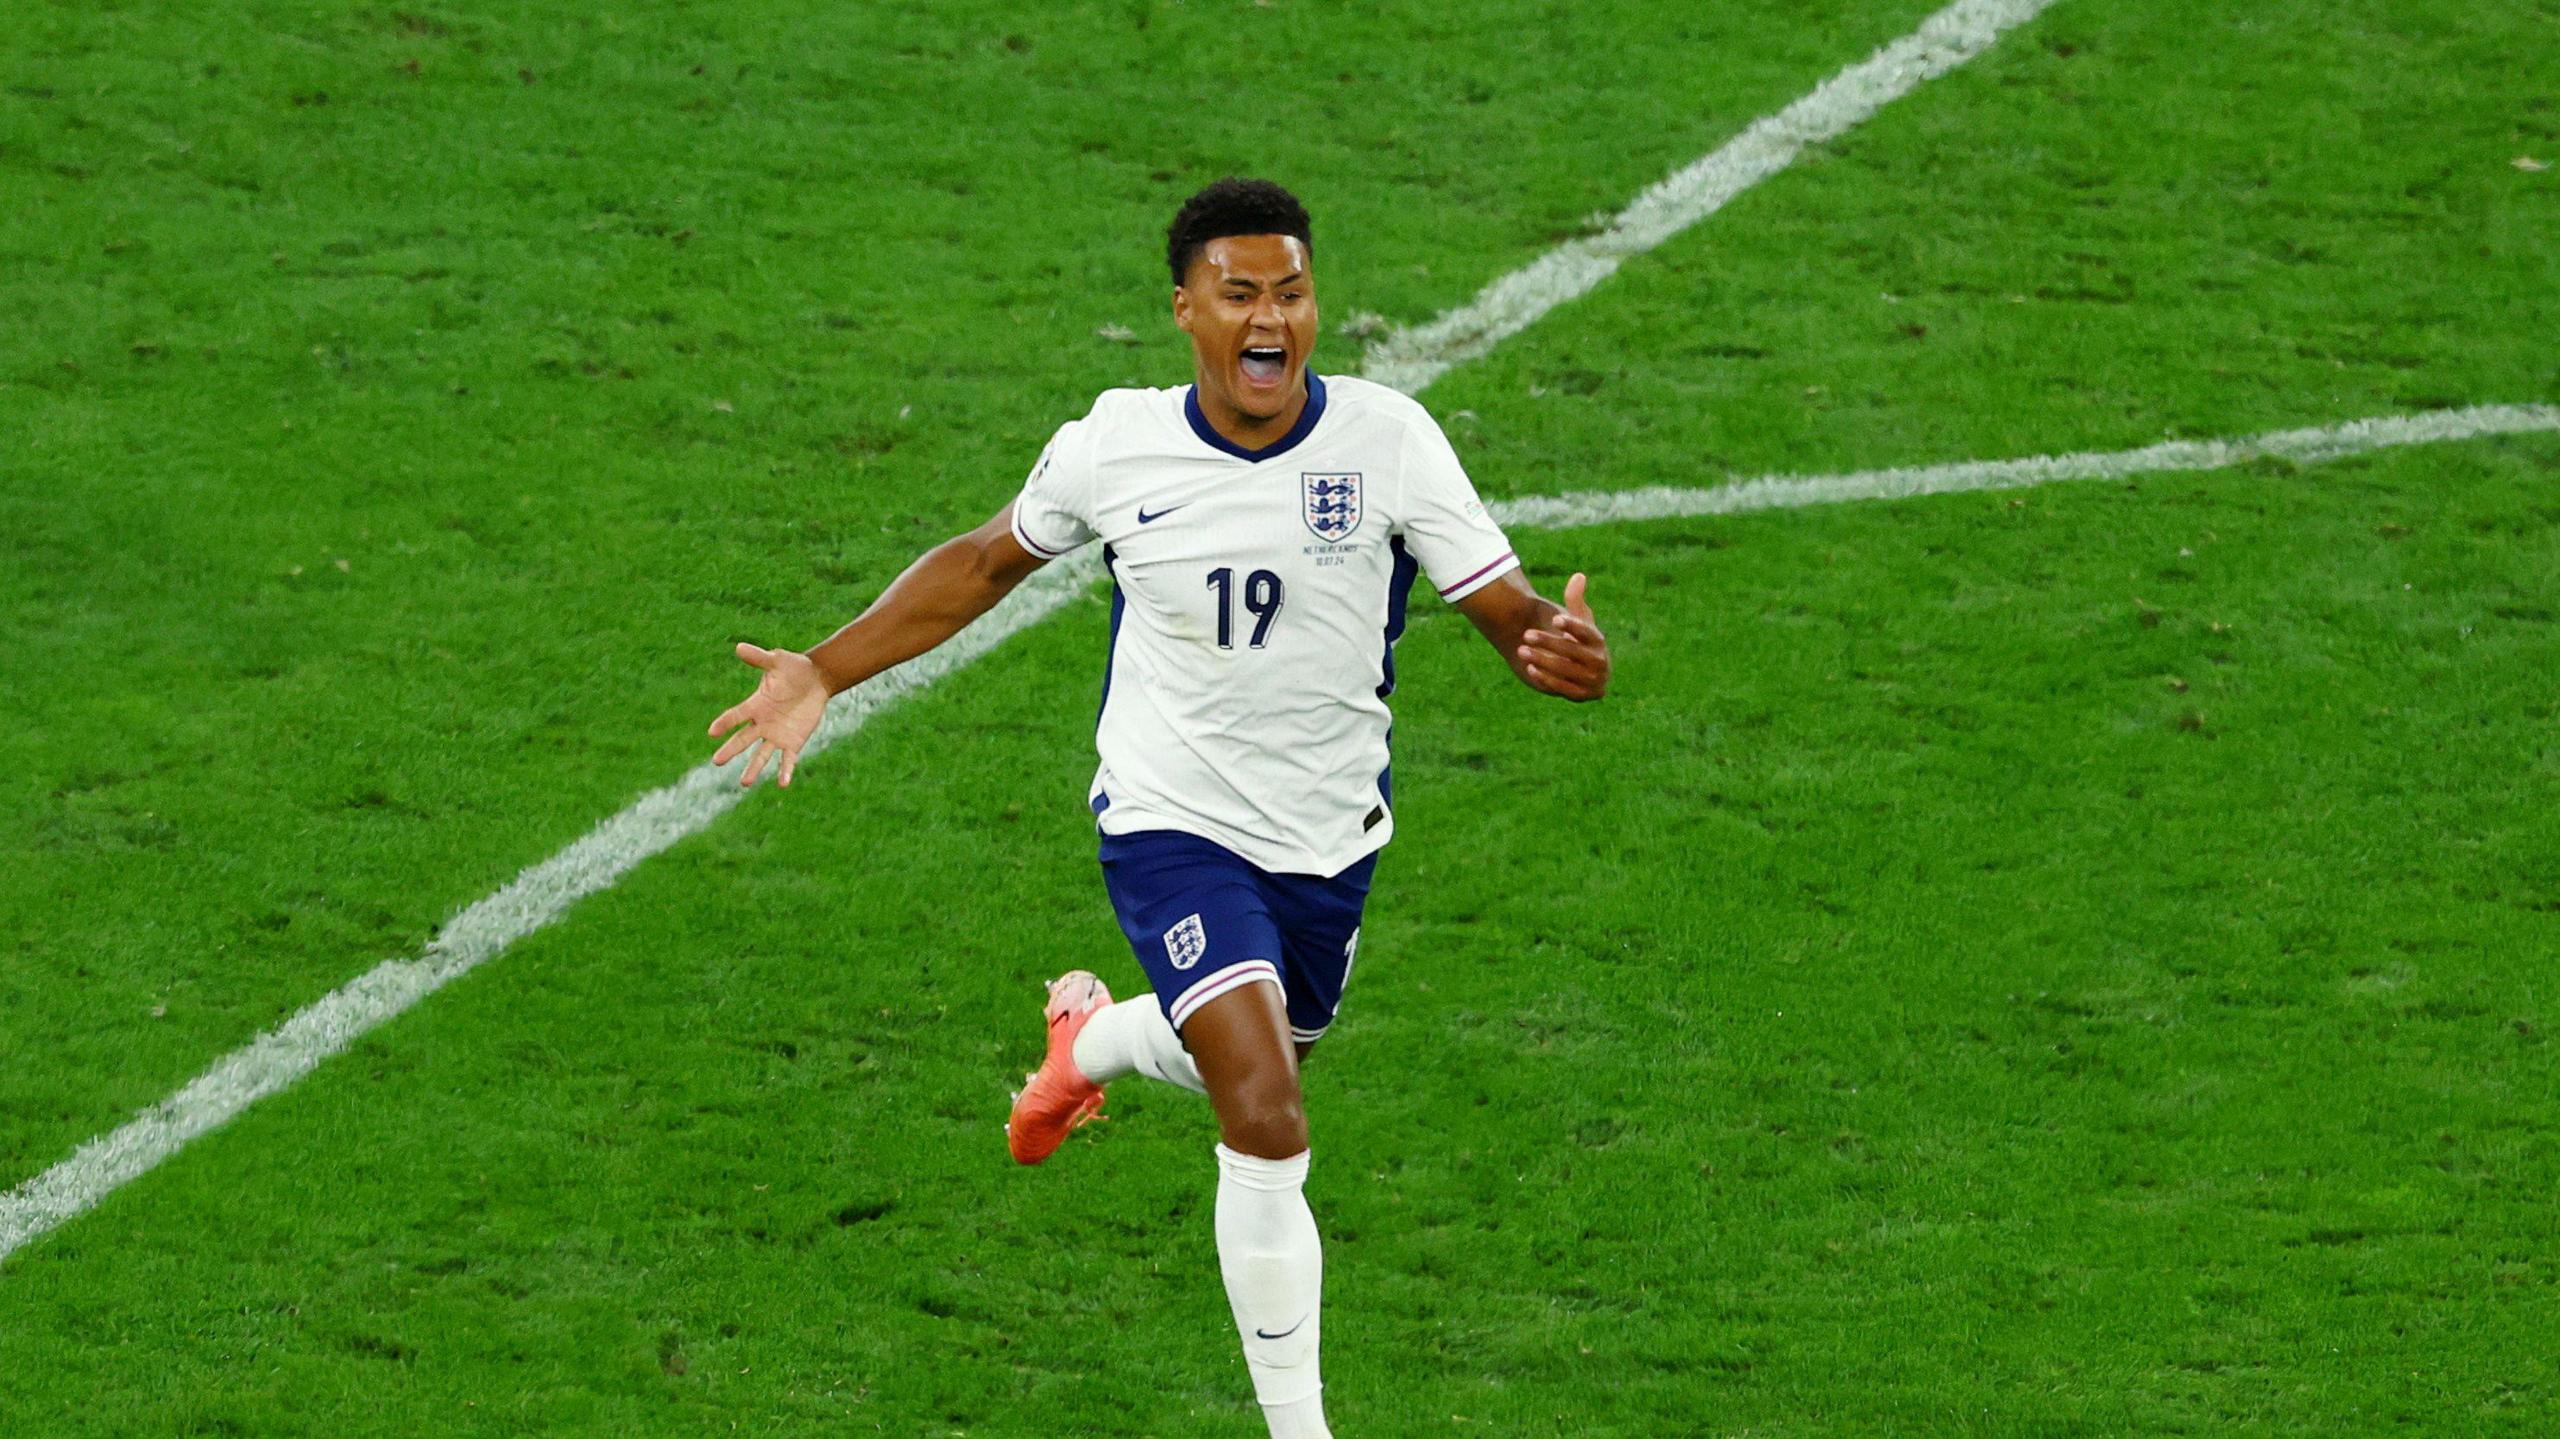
x=2069 y=963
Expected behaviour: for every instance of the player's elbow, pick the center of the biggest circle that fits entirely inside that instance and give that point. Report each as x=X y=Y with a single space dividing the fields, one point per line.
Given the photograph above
x=992 y=559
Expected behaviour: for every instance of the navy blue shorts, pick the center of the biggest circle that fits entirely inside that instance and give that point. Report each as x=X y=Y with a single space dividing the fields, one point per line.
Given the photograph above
x=1205 y=922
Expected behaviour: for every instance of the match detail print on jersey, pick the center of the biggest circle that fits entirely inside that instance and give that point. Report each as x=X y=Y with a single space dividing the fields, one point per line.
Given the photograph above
x=1257 y=597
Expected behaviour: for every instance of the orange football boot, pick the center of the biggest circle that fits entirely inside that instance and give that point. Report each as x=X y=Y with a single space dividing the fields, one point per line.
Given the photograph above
x=1057 y=1097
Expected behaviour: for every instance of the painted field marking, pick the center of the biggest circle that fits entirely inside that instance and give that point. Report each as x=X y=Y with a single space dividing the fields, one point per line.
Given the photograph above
x=663 y=816
x=1780 y=492
x=1411 y=359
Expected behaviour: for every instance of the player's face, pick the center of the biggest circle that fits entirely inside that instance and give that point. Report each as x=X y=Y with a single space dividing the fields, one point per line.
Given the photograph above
x=1249 y=305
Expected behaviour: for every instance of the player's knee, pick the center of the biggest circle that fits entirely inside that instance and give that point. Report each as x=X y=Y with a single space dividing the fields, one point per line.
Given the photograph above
x=1268 y=1119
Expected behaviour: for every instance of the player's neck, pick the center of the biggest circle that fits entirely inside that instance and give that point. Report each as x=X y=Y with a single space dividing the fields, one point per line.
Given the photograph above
x=1243 y=430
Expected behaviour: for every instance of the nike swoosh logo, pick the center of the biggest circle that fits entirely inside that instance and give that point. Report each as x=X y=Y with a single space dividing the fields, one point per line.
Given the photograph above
x=1147 y=519
x=1285 y=1333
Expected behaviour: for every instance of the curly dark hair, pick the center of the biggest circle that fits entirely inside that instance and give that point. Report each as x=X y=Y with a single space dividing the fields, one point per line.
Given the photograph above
x=1233 y=206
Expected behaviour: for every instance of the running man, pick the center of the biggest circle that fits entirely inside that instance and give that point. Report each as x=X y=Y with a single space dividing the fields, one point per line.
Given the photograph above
x=1262 y=527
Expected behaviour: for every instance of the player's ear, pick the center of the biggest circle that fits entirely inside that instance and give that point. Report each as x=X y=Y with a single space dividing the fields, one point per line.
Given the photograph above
x=1182 y=309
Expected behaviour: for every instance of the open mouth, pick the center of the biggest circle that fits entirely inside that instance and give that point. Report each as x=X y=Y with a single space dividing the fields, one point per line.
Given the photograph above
x=1265 y=364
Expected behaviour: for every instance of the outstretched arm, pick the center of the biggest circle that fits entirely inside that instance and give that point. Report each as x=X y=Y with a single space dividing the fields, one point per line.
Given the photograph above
x=1554 y=649
x=936 y=598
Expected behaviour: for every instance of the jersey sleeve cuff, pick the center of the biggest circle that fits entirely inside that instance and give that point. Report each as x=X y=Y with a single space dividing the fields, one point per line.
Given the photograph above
x=1023 y=537
x=1478 y=579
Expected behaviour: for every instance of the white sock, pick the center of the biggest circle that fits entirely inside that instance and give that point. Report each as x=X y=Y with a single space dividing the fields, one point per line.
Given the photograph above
x=1274 y=1268
x=1132 y=1037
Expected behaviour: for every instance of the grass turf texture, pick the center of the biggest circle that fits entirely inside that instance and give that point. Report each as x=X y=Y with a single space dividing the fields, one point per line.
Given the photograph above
x=1901 y=1009
x=580 y=378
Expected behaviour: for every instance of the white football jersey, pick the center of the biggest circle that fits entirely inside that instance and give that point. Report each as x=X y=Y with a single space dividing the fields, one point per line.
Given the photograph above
x=1256 y=600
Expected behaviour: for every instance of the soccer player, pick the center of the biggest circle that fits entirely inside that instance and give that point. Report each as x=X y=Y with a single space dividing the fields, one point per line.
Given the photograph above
x=1262 y=527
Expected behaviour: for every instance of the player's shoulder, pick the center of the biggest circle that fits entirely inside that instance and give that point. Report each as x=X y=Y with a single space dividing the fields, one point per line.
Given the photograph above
x=1120 y=423
x=1381 y=414
x=1352 y=395
x=1133 y=405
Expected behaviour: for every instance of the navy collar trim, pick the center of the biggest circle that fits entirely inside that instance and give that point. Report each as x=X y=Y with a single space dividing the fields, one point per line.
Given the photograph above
x=1306 y=423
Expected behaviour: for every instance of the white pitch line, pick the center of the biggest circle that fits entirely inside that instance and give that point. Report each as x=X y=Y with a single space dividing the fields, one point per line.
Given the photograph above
x=660 y=818
x=1779 y=492
x=1410 y=359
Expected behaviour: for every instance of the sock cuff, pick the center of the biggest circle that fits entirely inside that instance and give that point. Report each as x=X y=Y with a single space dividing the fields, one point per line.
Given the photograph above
x=1255 y=1172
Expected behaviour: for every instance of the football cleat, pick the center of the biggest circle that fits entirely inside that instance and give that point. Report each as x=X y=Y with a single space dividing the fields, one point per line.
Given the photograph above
x=1056 y=1097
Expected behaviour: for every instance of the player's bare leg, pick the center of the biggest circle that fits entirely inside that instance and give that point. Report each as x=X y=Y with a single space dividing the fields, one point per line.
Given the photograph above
x=1268 y=1250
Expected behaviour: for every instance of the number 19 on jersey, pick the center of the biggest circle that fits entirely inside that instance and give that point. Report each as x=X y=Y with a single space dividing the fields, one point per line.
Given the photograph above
x=1262 y=596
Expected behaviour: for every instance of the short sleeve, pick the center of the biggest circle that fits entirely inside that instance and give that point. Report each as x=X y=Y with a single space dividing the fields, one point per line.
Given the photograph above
x=1054 y=512
x=1444 y=523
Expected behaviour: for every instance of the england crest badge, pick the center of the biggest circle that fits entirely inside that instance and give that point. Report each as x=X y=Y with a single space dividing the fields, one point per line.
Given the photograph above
x=1186 y=942
x=1332 y=504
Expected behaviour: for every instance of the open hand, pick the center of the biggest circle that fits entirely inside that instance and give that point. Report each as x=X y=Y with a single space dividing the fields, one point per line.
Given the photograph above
x=1568 y=657
x=778 y=718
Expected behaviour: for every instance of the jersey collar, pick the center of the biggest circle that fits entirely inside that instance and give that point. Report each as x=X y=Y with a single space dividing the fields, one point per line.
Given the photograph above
x=1209 y=435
